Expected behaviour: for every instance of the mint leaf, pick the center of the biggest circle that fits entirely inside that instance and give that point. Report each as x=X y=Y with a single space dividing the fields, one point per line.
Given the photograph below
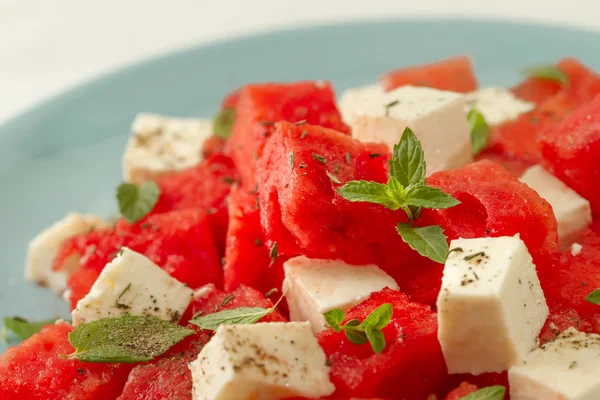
x=479 y=131
x=594 y=297
x=23 y=328
x=488 y=393
x=136 y=202
x=429 y=241
x=408 y=161
x=223 y=122
x=334 y=318
x=429 y=197
x=128 y=339
x=376 y=338
x=354 y=332
x=380 y=317
x=546 y=72
x=370 y=192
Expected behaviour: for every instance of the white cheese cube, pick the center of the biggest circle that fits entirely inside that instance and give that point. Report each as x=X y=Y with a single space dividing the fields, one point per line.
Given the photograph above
x=436 y=117
x=573 y=212
x=498 y=105
x=564 y=369
x=576 y=249
x=268 y=361
x=161 y=144
x=45 y=246
x=353 y=99
x=491 y=307
x=133 y=284
x=313 y=287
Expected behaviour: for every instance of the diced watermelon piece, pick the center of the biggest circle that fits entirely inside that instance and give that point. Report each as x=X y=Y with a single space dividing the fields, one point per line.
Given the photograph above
x=305 y=213
x=247 y=258
x=168 y=376
x=231 y=99
x=560 y=319
x=453 y=74
x=461 y=391
x=180 y=242
x=515 y=167
x=34 y=370
x=203 y=187
x=213 y=145
x=410 y=367
x=79 y=283
x=571 y=151
x=261 y=105
x=536 y=90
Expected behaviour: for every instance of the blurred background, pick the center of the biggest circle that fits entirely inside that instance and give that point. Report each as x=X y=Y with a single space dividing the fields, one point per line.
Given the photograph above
x=47 y=46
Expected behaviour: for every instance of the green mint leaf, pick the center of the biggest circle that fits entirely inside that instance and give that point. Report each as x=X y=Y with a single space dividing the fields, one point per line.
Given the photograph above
x=334 y=318
x=479 y=131
x=136 y=202
x=394 y=184
x=488 y=393
x=354 y=332
x=546 y=72
x=428 y=197
x=223 y=122
x=128 y=339
x=379 y=318
x=594 y=297
x=242 y=315
x=408 y=161
x=333 y=178
x=23 y=328
x=428 y=241
x=376 y=339
x=369 y=192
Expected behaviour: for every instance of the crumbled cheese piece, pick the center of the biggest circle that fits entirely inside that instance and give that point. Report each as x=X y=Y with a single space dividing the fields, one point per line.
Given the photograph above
x=161 y=144
x=45 y=246
x=261 y=361
x=576 y=249
x=573 y=212
x=498 y=105
x=352 y=99
x=491 y=307
x=436 y=117
x=132 y=284
x=313 y=287
x=565 y=369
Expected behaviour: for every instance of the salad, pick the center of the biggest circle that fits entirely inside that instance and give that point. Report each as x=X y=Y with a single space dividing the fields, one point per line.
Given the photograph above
x=421 y=238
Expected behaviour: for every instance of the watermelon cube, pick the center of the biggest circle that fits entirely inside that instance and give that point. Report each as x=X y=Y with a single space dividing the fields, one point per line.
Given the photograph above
x=261 y=105
x=464 y=389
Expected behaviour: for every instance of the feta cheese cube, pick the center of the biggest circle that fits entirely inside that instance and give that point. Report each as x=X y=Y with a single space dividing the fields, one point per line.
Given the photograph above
x=573 y=212
x=576 y=249
x=498 y=105
x=45 y=246
x=436 y=117
x=491 y=307
x=271 y=361
x=564 y=369
x=133 y=284
x=313 y=287
x=352 y=99
x=161 y=144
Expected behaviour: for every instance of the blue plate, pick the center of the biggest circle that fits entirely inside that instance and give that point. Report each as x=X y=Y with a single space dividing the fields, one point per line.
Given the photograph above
x=64 y=155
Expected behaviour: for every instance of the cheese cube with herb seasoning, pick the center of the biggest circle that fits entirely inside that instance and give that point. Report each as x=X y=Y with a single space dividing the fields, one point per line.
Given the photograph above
x=272 y=361
x=161 y=144
x=132 y=284
x=353 y=98
x=436 y=117
x=45 y=246
x=497 y=105
x=573 y=212
x=564 y=369
x=312 y=287
x=491 y=307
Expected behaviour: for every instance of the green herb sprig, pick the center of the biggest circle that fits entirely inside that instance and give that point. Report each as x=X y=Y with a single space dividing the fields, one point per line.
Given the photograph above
x=135 y=202
x=479 y=131
x=594 y=297
x=487 y=393
x=546 y=72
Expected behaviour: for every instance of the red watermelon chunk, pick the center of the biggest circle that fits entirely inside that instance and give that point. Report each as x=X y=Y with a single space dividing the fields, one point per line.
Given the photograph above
x=180 y=242
x=213 y=145
x=261 y=105
x=453 y=74
x=461 y=391
x=571 y=151
x=203 y=187
x=247 y=258
x=410 y=367
x=516 y=167
x=560 y=319
x=34 y=370
x=168 y=376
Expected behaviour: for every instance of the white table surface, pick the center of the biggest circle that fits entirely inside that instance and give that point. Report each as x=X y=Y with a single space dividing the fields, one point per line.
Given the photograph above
x=48 y=46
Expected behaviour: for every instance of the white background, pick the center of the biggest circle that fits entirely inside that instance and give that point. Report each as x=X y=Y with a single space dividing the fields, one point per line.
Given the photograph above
x=47 y=46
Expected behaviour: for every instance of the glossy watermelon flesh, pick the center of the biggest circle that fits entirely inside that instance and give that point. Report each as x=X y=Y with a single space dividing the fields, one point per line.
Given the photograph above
x=464 y=389
x=261 y=105
x=410 y=367
x=453 y=74
x=180 y=242
x=35 y=370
